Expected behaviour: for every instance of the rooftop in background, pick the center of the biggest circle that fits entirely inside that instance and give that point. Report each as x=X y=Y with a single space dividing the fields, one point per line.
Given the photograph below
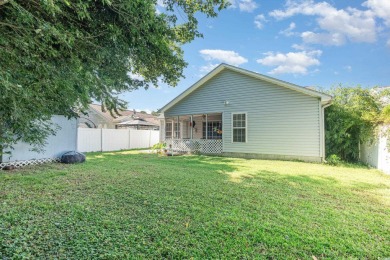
x=105 y=119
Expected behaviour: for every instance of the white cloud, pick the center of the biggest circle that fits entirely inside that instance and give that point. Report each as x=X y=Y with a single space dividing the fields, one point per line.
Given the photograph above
x=349 y=23
x=381 y=9
x=348 y=68
x=299 y=47
x=229 y=57
x=207 y=68
x=259 y=21
x=289 y=31
x=135 y=76
x=161 y=3
x=292 y=62
x=247 y=5
x=388 y=43
x=335 y=39
x=244 y=5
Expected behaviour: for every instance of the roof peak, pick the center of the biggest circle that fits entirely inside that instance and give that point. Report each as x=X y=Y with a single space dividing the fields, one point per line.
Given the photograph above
x=324 y=97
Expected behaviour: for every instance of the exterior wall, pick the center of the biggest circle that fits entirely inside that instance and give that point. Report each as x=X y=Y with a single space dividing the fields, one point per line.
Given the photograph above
x=377 y=154
x=65 y=140
x=280 y=121
x=274 y=157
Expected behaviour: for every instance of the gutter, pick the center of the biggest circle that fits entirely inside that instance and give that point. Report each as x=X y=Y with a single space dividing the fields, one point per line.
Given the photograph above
x=323 y=123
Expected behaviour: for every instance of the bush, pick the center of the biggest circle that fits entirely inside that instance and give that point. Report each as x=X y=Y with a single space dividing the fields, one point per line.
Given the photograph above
x=353 y=118
x=159 y=147
x=334 y=160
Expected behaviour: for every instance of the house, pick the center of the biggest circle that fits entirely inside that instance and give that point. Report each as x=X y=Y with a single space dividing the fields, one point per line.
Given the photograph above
x=236 y=112
x=97 y=118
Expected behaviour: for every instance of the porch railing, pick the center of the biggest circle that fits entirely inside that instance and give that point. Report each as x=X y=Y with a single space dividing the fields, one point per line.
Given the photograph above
x=206 y=146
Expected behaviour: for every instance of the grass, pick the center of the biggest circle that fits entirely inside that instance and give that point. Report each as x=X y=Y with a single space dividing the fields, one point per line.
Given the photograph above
x=134 y=205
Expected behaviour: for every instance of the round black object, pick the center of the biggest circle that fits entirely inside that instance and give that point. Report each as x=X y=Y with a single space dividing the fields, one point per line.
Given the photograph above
x=73 y=157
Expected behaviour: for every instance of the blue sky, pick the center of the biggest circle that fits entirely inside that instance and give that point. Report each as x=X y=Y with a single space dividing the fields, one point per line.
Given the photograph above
x=305 y=42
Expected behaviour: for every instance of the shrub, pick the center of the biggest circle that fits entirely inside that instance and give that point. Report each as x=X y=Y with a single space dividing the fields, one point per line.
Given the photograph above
x=334 y=160
x=159 y=146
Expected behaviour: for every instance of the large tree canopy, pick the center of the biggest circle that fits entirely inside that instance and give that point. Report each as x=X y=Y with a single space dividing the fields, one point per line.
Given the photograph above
x=353 y=118
x=58 y=55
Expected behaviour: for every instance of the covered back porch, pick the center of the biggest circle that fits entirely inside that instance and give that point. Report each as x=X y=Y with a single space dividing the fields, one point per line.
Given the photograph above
x=200 y=133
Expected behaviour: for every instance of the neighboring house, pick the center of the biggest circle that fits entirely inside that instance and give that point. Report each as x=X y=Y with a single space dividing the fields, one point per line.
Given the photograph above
x=236 y=112
x=64 y=140
x=96 y=118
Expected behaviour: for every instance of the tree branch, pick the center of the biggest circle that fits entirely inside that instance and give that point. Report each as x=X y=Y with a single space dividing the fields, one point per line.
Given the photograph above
x=3 y=2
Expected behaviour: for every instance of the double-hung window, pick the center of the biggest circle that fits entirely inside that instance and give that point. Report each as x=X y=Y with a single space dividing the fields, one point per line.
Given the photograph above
x=239 y=127
x=168 y=130
x=172 y=130
x=176 y=130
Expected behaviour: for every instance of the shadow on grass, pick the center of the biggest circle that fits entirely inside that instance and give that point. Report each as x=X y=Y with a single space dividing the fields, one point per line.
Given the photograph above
x=245 y=172
x=181 y=203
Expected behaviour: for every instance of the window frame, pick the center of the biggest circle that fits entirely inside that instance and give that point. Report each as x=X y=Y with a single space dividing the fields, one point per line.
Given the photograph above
x=246 y=126
x=171 y=130
x=176 y=130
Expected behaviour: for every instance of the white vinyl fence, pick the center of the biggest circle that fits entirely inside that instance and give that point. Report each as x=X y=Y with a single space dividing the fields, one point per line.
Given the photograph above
x=64 y=140
x=93 y=140
x=377 y=153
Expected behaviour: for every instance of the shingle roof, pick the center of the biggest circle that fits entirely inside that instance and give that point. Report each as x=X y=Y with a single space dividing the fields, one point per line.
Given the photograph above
x=125 y=115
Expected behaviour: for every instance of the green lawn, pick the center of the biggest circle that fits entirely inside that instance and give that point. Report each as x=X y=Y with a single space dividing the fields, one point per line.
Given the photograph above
x=133 y=205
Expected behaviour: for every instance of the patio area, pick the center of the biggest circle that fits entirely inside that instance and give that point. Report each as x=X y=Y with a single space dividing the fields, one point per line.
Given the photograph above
x=194 y=133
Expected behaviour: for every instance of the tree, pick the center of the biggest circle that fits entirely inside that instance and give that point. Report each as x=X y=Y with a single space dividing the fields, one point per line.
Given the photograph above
x=57 y=56
x=353 y=118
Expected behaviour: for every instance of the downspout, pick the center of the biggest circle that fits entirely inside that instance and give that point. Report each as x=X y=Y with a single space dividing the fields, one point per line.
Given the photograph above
x=323 y=124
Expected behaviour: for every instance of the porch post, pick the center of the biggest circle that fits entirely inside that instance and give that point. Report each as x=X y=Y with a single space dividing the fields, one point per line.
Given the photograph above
x=191 y=125
x=178 y=128
x=206 y=127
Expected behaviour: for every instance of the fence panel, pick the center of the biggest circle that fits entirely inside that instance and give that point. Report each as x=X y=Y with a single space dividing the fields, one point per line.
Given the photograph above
x=92 y=140
x=377 y=154
x=115 y=139
x=89 y=140
x=139 y=139
x=63 y=141
x=154 y=137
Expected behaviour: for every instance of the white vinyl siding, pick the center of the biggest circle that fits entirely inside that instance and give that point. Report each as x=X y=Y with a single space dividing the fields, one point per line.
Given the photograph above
x=282 y=121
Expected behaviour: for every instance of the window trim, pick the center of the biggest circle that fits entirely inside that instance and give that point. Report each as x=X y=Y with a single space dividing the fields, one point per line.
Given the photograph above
x=246 y=126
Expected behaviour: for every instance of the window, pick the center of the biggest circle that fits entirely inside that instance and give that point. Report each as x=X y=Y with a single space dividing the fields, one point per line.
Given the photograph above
x=168 y=130
x=214 y=130
x=176 y=130
x=172 y=130
x=239 y=127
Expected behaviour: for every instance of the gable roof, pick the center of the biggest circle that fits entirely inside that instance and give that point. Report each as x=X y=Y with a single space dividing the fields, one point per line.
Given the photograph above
x=125 y=115
x=307 y=91
x=136 y=122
